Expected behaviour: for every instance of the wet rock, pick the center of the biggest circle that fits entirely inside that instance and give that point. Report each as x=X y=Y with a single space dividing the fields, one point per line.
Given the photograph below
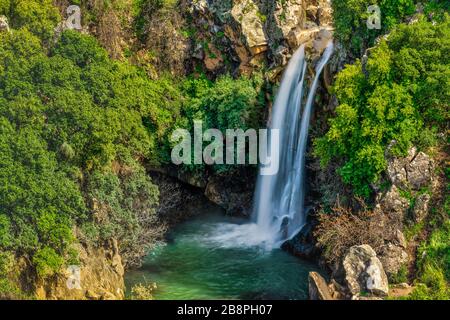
x=318 y=288
x=420 y=210
x=196 y=180
x=302 y=245
x=364 y=272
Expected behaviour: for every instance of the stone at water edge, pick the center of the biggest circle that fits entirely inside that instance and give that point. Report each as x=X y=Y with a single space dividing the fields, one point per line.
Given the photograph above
x=364 y=272
x=318 y=288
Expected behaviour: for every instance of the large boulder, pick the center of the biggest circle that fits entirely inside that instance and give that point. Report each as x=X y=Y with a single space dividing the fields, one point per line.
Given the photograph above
x=318 y=288
x=364 y=272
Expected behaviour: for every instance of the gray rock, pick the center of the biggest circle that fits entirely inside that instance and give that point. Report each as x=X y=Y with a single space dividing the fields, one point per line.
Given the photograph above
x=396 y=168
x=393 y=204
x=393 y=258
x=414 y=170
x=364 y=272
x=399 y=239
x=420 y=210
x=420 y=171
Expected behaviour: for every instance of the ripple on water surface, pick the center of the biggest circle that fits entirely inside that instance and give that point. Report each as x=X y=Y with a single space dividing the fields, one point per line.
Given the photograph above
x=216 y=257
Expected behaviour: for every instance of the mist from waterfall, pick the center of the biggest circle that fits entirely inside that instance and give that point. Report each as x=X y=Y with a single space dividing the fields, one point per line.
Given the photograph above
x=279 y=199
x=278 y=211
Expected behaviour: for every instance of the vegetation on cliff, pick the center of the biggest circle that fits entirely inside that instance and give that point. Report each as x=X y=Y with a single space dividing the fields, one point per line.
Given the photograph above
x=82 y=117
x=400 y=94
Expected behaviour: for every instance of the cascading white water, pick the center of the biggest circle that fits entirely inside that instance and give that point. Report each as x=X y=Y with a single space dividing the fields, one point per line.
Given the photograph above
x=279 y=199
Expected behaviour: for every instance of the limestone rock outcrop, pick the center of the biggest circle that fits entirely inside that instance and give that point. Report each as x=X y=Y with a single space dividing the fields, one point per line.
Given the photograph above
x=420 y=210
x=261 y=32
x=364 y=272
x=413 y=171
x=98 y=276
x=393 y=258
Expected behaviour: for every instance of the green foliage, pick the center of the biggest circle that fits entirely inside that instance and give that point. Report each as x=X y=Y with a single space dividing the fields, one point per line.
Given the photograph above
x=350 y=20
x=227 y=103
x=38 y=16
x=434 y=265
x=65 y=119
x=402 y=97
x=8 y=288
x=47 y=262
x=401 y=276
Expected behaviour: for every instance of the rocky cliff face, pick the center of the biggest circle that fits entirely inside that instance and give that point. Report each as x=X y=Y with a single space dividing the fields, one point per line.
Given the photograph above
x=242 y=37
x=366 y=269
x=97 y=276
x=253 y=33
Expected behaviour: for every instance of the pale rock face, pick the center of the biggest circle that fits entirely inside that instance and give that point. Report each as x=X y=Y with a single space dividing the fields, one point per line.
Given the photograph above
x=414 y=170
x=364 y=272
x=420 y=210
x=420 y=171
x=393 y=258
x=289 y=15
x=101 y=277
x=4 y=26
x=246 y=12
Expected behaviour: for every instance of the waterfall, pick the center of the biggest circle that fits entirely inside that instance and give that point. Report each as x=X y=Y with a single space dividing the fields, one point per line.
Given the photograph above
x=279 y=199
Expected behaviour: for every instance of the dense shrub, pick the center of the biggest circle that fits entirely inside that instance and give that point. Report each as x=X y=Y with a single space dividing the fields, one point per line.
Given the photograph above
x=401 y=93
x=350 y=20
x=38 y=16
x=67 y=118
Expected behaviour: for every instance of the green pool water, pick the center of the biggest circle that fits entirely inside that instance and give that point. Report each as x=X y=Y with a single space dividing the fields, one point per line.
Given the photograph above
x=209 y=257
